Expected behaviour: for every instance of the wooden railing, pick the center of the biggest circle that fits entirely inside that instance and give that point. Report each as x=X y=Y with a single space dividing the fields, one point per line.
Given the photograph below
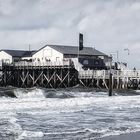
x=105 y=74
x=42 y=64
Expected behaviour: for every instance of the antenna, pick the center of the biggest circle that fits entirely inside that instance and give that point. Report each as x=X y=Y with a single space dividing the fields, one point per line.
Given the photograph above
x=29 y=47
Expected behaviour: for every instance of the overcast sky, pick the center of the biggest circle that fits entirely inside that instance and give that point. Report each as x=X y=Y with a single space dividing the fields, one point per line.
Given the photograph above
x=107 y=25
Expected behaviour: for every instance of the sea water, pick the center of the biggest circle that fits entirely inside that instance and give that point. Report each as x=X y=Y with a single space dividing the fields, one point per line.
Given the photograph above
x=66 y=114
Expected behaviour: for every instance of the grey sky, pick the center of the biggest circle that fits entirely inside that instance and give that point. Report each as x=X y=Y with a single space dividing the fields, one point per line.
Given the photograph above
x=107 y=25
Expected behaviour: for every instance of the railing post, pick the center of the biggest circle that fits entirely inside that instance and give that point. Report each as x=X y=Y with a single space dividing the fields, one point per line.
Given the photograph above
x=110 y=84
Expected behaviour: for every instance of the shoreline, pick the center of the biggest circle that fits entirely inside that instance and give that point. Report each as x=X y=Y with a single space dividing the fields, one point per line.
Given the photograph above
x=128 y=136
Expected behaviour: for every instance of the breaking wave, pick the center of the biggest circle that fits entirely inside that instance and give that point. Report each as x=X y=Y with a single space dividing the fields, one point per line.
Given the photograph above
x=46 y=93
x=75 y=92
x=29 y=93
x=7 y=92
x=72 y=113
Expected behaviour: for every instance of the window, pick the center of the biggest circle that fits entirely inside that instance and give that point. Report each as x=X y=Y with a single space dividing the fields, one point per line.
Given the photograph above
x=85 y=62
x=57 y=58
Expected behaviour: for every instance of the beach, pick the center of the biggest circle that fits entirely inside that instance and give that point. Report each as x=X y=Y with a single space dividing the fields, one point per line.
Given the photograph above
x=129 y=136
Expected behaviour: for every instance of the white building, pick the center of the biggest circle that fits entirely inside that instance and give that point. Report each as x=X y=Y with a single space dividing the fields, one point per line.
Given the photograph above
x=47 y=53
x=59 y=53
x=9 y=56
x=56 y=55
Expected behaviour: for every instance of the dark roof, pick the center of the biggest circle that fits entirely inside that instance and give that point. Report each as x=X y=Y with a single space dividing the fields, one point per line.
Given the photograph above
x=19 y=53
x=28 y=53
x=74 y=50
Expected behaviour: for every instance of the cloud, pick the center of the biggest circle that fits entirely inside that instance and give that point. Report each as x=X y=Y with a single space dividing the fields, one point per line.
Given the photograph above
x=107 y=25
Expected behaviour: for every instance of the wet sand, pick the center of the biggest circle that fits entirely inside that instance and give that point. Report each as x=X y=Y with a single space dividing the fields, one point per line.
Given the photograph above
x=130 y=136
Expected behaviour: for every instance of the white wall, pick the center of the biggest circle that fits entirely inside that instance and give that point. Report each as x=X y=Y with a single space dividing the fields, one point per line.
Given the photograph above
x=5 y=57
x=47 y=53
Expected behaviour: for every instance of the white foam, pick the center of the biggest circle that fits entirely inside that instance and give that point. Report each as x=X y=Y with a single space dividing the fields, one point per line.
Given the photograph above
x=15 y=128
x=33 y=103
x=10 y=126
x=137 y=91
x=30 y=134
x=69 y=103
x=34 y=93
x=72 y=132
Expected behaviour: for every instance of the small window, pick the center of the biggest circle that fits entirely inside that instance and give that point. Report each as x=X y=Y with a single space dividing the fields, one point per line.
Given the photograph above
x=85 y=62
x=57 y=58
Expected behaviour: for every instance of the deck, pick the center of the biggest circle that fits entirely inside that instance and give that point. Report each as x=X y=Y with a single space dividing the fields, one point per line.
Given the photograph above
x=121 y=79
x=104 y=74
x=64 y=74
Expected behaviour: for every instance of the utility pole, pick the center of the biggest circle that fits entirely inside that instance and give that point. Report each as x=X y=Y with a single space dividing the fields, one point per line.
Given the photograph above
x=110 y=78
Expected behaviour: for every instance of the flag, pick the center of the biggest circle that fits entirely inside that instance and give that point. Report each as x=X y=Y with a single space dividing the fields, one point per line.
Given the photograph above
x=80 y=41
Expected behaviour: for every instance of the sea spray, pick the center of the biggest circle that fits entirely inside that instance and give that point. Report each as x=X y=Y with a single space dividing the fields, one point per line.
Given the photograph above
x=29 y=93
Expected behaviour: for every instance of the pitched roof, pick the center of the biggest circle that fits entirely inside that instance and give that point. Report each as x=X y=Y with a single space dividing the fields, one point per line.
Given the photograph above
x=74 y=50
x=19 y=53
